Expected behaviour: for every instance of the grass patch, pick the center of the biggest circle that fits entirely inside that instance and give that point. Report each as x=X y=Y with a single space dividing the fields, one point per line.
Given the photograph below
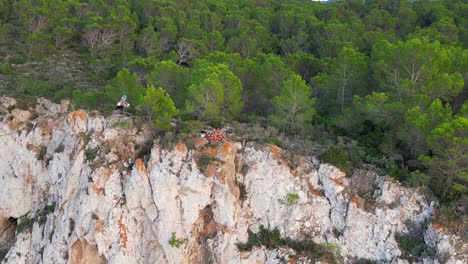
x=412 y=243
x=87 y=138
x=25 y=223
x=242 y=190
x=122 y=124
x=42 y=153
x=204 y=160
x=177 y=242
x=271 y=239
x=289 y=199
x=90 y=154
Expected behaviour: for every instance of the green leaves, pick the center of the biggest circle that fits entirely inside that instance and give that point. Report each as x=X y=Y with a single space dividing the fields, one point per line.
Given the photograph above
x=293 y=107
x=158 y=107
x=215 y=94
x=415 y=68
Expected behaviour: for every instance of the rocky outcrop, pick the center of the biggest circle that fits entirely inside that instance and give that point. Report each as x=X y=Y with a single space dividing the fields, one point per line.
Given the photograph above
x=81 y=189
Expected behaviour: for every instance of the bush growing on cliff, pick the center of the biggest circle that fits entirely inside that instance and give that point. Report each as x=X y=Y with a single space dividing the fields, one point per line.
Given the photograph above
x=158 y=108
x=271 y=239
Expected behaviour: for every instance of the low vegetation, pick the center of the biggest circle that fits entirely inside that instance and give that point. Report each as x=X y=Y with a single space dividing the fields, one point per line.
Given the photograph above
x=271 y=239
x=177 y=242
x=289 y=199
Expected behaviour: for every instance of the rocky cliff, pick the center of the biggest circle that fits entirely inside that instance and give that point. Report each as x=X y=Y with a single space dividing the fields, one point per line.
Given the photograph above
x=78 y=187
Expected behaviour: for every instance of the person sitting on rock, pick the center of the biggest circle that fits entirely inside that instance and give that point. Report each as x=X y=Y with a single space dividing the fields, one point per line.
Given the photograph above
x=122 y=104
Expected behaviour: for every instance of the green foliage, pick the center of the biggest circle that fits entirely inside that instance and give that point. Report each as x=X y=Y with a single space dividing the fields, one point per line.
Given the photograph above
x=215 y=94
x=60 y=148
x=42 y=153
x=124 y=83
x=271 y=239
x=289 y=199
x=268 y=238
x=347 y=78
x=25 y=223
x=204 y=160
x=172 y=77
x=242 y=190
x=293 y=107
x=90 y=154
x=122 y=124
x=410 y=244
x=448 y=162
x=50 y=208
x=177 y=242
x=344 y=156
x=158 y=108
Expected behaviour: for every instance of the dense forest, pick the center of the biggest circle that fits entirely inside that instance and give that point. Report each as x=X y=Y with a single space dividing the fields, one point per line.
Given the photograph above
x=380 y=82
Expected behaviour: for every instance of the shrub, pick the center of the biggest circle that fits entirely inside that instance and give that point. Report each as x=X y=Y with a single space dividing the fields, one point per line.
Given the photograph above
x=242 y=190
x=24 y=223
x=42 y=153
x=399 y=173
x=50 y=208
x=177 y=242
x=204 y=160
x=338 y=157
x=412 y=243
x=271 y=239
x=90 y=154
x=289 y=199
x=264 y=237
x=122 y=124
x=158 y=108
x=87 y=138
x=60 y=148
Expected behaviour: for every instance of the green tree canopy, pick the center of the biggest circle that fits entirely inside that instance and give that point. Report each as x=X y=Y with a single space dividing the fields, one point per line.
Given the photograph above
x=294 y=105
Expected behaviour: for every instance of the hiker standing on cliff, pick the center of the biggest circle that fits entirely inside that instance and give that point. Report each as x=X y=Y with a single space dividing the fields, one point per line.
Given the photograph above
x=122 y=104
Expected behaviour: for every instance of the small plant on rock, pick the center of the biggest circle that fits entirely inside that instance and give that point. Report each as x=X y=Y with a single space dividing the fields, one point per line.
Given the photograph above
x=122 y=124
x=289 y=199
x=42 y=153
x=177 y=242
x=90 y=155
x=60 y=148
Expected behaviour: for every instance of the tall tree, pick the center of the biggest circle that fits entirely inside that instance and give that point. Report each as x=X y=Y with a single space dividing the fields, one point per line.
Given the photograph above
x=294 y=105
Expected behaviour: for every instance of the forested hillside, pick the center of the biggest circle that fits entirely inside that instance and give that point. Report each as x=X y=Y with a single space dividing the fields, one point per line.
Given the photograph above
x=380 y=82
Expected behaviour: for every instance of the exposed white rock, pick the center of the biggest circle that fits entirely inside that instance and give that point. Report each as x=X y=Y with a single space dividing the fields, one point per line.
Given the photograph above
x=119 y=208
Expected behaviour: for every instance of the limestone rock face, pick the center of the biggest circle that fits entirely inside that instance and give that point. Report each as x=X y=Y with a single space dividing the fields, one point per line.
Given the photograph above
x=83 y=190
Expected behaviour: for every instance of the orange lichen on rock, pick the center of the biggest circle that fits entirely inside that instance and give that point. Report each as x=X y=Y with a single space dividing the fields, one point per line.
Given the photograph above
x=225 y=149
x=338 y=182
x=211 y=170
x=275 y=152
x=181 y=147
x=77 y=114
x=29 y=179
x=198 y=142
x=96 y=189
x=437 y=226
x=210 y=152
x=358 y=201
x=313 y=191
x=99 y=226
x=123 y=234
x=140 y=165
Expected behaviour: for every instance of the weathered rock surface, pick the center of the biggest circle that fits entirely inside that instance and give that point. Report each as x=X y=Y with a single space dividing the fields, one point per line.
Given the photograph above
x=83 y=191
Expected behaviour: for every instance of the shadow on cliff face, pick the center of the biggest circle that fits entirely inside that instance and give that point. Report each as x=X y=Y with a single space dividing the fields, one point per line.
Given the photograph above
x=7 y=235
